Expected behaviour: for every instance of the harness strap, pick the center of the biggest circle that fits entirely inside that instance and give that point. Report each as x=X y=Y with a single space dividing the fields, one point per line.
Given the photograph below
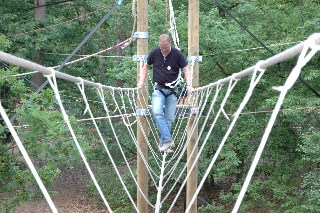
x=176 y=82
x=160 y=87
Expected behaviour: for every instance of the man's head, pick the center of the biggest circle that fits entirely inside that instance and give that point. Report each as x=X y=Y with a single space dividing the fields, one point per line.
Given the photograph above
x=165 y=43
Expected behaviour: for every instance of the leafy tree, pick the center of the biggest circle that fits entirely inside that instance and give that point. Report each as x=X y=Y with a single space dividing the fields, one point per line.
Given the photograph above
x=286 y=178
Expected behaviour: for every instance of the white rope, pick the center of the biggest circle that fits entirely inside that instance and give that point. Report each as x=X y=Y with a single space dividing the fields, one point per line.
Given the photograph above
x=135 y=141
x=217 y=91
x=23 y=74
x=199 y=100
x=81 y=88
x=94 y=54
x=101 y=94
x=173 y=26
x=27 y=159
x=53 y=83
x=201 y=104
x=193 y=100
x=138 y=148
x=105 y=117
x=125 y=119
x=160 y=187
x=80 y=55
x=187 y=142
x=252 y=48
x=80 y=59
x=214 y=54
x=143 y=103
x=175 y=40
x=303 y=59
x=253 y=83
x=311 y=108
x=147 y=140
x=232 y=84
x=183 y=111
x=151 y=126
x=305 y=56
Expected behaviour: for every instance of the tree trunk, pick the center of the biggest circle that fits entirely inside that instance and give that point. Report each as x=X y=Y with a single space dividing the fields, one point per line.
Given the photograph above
x=39 y=14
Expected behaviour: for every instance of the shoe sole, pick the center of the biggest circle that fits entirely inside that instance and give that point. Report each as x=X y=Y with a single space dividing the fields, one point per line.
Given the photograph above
x=169 y=146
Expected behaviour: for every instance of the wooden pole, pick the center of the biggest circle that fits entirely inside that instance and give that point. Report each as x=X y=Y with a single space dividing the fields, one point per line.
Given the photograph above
x=142 y=49
x=193 y=50
x=39 y=14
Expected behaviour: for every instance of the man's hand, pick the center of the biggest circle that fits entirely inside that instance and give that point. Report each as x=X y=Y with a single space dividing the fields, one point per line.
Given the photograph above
x=140 y=85
x=190 y=89
x=143 y=74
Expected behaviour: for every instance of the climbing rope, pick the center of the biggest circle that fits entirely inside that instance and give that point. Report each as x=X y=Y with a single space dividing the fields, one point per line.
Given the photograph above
x=204 y=99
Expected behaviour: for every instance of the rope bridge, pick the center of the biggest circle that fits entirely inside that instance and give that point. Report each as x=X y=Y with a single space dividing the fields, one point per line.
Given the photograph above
x=208 y=107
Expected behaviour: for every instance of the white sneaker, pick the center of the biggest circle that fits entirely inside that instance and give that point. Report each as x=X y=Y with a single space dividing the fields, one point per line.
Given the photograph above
x=172 y=145
x=166 y=146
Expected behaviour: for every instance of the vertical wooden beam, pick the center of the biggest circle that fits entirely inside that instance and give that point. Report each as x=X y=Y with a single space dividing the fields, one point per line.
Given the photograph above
x=39 y=15
x=142 y=49
x=193 y=50
x=39 y=9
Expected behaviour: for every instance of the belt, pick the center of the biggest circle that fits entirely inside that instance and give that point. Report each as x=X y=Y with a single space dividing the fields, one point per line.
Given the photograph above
x=161 y=86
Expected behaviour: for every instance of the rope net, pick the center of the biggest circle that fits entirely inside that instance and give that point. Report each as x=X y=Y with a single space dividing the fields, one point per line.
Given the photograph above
x=113 y=119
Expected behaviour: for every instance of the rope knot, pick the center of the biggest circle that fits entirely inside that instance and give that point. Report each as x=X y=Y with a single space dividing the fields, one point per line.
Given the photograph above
x=51 y=74
x=234 y=78
x=258 y=66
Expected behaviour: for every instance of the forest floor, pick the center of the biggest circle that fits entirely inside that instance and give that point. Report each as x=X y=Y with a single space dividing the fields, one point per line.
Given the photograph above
x=72 y=196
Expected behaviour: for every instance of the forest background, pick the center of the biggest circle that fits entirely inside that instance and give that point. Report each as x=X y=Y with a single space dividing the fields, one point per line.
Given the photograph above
x=288 y=176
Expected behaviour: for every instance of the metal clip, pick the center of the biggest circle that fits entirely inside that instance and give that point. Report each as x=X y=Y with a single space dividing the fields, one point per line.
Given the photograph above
x=142 y=112
x=139 y=57
x=140 y=35
x=195 y=58
x=194 y=111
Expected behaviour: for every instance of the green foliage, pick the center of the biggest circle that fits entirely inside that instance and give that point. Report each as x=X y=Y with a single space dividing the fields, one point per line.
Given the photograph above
x=124 y=70
x=286 y=179
x=44 y=135
x=310 y=147
x=113 y=189
x=4 y=43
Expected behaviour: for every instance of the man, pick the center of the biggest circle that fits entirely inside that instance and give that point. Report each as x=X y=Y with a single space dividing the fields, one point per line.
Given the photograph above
x=166 y=62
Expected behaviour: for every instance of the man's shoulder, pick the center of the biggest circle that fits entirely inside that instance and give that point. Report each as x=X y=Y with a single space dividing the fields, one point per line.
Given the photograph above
x=176 y=51
x=155 y=50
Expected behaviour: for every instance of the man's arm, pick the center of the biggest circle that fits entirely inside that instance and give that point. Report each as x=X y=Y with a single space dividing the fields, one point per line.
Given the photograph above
x=143 y=74
x=187 y=75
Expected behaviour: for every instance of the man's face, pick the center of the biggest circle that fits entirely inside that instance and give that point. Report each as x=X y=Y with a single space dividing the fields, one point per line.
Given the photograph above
x=165 y=47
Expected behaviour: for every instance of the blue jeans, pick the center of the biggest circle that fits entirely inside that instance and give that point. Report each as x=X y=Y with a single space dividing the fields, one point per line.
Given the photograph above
x=164 y=116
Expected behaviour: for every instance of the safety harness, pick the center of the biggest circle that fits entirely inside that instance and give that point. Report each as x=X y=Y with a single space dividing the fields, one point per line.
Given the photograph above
x=171 y=86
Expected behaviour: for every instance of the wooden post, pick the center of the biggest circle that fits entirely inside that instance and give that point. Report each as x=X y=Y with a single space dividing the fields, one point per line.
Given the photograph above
x=193 y=50
x=39 y=15
x=142 y=49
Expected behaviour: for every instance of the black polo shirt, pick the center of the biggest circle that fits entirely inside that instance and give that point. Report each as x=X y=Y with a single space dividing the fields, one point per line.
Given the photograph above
x=166 y=69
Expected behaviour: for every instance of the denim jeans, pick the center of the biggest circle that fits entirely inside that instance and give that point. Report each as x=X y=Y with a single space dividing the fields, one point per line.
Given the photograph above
x=164 y=116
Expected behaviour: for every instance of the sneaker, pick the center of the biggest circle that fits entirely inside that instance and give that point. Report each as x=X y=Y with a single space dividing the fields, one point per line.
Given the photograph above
x=166 y=146
x=168 y=151
x=172 y=145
